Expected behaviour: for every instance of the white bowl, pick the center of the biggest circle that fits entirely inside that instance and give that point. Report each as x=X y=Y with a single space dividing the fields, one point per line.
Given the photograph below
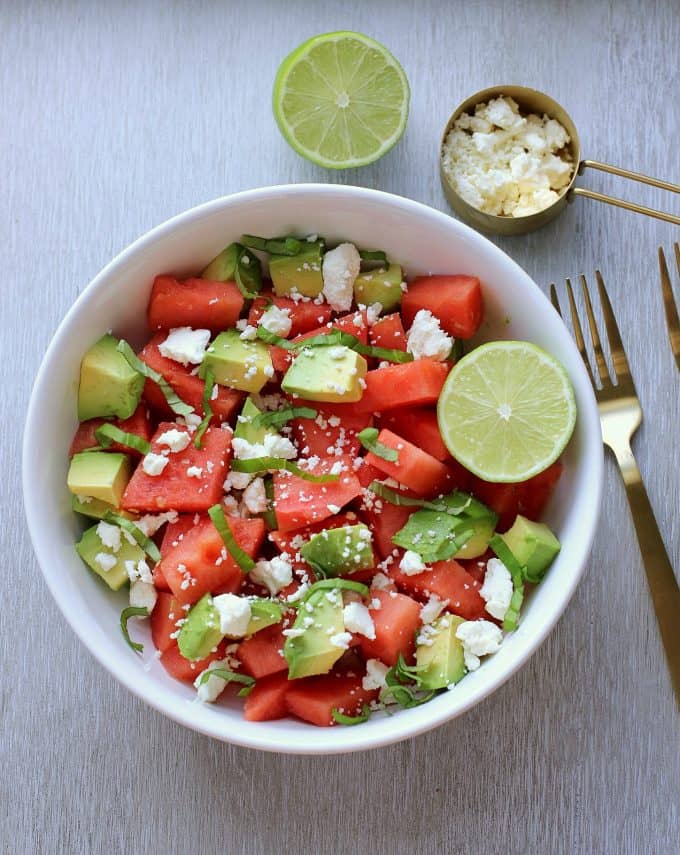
x=424 y=241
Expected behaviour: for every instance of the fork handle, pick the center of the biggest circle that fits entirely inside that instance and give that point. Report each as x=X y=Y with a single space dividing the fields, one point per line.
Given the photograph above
x=662 y=583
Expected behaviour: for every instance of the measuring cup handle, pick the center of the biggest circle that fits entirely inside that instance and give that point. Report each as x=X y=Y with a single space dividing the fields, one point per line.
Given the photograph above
x=622 y=203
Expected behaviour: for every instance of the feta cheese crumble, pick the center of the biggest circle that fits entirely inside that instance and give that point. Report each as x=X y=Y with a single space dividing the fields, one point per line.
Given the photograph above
x=427 y=339
x=154 y=464
x=277 y=321
x=479 y=637
x=341 y=640
x=106 y=561
x=176 y=440
x=143 y=595
x=255 y=497
x=234 y=612
x=194 y=471
x=109 y=535
x=410 y=564
x=185 y=345
x=432 y=609
x=375 y=675
x=339 y=269
x=275 y=574
x=358 y=619
x=497 y=588
x=213 y=687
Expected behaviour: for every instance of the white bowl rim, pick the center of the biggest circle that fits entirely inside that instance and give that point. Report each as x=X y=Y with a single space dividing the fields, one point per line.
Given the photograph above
x=405 y=724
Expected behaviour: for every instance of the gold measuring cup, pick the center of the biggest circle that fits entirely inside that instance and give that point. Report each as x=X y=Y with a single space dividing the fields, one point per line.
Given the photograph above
x=533 y=101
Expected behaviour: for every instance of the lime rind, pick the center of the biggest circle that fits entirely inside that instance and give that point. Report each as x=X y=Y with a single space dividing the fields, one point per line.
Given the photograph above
x=317 y=75
x=507 y=411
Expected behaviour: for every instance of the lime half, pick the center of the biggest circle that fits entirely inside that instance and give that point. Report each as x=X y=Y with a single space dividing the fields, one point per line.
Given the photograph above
x=507 y=411
x=341 y=100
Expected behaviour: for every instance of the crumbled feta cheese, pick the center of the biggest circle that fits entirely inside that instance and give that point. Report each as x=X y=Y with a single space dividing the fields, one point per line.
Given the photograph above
x=150 y=523
x=176 y=440
x=432 y=609
x=235 y=614
x=411 y=563
x=497 y=588
x=109 y=535
x=209 y=691
x=341 y=640
x=334 y=509
x=279 y=446
x=185 y=345
x=138 y=570
x=143 y=595
x=106 y=561
x=194 y=471
x=381 y=582
x=154 y=464
x=427 y=339
x=255 y=497
x=274 y=574
x=193 y=420
x=358 y=619
x=375 y=675
x=340 y=268
x=248 y=333
x=237 y=481
x=84 y=500
x=373 y=313
x=479 y=637
x=277 y=321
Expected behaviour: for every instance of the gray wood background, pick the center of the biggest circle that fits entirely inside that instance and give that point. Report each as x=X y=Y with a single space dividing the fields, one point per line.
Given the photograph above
x=116 y=115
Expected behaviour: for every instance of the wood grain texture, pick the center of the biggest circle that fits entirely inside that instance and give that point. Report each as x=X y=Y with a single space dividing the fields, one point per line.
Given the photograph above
x=116 y=115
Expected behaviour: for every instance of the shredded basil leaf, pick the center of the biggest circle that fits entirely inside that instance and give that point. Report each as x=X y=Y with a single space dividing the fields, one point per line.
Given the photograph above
x=518 y=574
x=125 y=615
x=244 y=561
x=331 y=584
x=209 y=377
x=276 y=246
x=434 y=535
x=333 y=338
x=245 y=691
x=278 y=418
x=226 y=675
x=368 y=437
x=248 y=273
x=349 y=720
x=175 y=403
x=403 y=686
x=265 y=464
x=107 y=434
x=141 y=539
x=456 y=503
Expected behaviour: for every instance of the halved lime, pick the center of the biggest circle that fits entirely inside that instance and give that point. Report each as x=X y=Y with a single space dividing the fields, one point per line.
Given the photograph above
x=341 y=100
x=507 y=411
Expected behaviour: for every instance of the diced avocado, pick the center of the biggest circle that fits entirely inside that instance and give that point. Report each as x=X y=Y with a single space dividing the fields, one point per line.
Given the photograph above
x=108 y=385
x=380 y=286
x=201 y=632
x=441 y=659
x=301 y=273
x=245 y=429
x=95 y=508
x=483 y=529
x=533 y=544
x=101 y=474
x=326 y=374
x=263 y=613
x=223 y=267
x=90 y=547
x=346 y=549
x=237 y=363
x=318 y=621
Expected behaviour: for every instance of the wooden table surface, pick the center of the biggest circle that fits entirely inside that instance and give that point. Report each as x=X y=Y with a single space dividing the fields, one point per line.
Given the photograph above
x=116 y=115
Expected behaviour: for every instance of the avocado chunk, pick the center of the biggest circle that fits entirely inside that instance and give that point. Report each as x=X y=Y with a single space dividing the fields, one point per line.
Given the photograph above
x=245 y=427
x=263 y=613
x=223 y=267
x=101 y=474
x=309 y=649
x=380 y=286
x=331 y=374
x=107 y=564
x=346 y=549
x=108 y=385
x=239 y=364
x=299 y=273
x=201 y=632
x=95 y=508
x=482 y=532
x=534 y=546
x=440 y=654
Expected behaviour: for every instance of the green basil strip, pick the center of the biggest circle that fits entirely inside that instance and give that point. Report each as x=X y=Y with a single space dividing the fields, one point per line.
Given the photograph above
x=226 y=675
x=396 y=680
x=207 y=409
x=245 y=691
x=141 y=539
x=518 y=574
x=265 y=464
x=372 y=255
x=368 y=437
x=107 y=434
x=384 y=353
x=332 y=339
x=349 y=720
x=335 y=584
x=244 y=561
x=275 y=246
x=455 y=504
x=395 y=498
x=278 y=418
x=248 y=273
x=125 y=615
x=175 y=403
x=269 y=516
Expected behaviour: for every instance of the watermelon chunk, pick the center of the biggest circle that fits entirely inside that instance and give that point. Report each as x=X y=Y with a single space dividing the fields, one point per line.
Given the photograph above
x=388 y=332
x=314 y=699
x=164 y=617
x=139 y=423
x=262 y=653
x=449 y=581
x=305 y=315
x=419 y=426
x=267 y=700
x=528 y=498
x=197 y=303
x=183 y=669
x=327 y=432
x=415 y=469
x=396 y=623
x=455 y=300
x=409 y=384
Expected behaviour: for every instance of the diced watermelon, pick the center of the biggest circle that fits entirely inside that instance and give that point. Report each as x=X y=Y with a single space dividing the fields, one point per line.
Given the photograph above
x=355 y=324
x=476 y=567
x=305 y=315
x=528 y=498
x=367 y=473
x=197 y=303
x=174 y=532
x=409 y=384
x=447 y=580
x=455 y=300
x=282 y=539
x=415 y=469
x=197 y=565
x=396 y=623
x=183 y=669
x=281 y=358
x=164 y=617
x=262 y=653
x=388 y=332
x=267 y=700
x=314 y=698
x=173 y=489
x=299 y=503
x=420 y=427
x=385 y=520
x=327 y=432
x=139 y=423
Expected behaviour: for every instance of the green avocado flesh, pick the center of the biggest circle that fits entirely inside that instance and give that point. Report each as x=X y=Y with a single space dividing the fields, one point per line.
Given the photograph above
x=108 y=385
x=441 y=659
x=318 y=621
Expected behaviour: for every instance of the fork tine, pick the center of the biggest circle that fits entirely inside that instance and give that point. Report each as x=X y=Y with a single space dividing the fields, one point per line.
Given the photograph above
x=554 y=300
x=621 y=368
x=578 y=332
x=670 y=308
x=602 y=369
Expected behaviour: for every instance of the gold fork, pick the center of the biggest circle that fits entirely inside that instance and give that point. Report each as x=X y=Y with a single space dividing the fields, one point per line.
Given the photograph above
x=669 y=302
x=620 y=417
